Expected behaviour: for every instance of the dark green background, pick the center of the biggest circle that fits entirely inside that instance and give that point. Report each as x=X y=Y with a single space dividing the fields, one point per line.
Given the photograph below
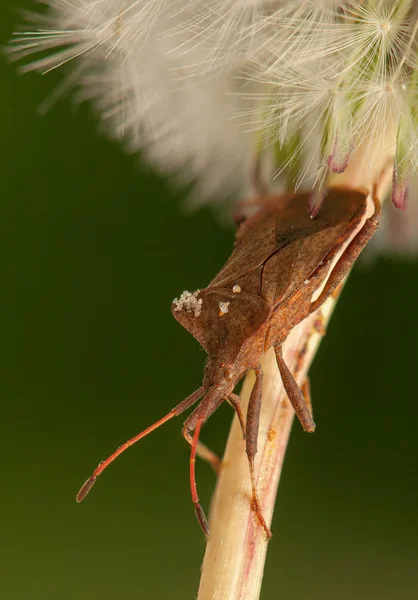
x=93 y=249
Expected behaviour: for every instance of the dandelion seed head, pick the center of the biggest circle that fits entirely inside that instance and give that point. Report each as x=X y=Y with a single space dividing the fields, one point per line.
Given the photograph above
x=145 y=88
x=200 y=87
x=335 y=82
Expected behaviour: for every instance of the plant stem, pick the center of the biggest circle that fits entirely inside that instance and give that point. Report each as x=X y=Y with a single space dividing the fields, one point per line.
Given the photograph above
x=235 y=555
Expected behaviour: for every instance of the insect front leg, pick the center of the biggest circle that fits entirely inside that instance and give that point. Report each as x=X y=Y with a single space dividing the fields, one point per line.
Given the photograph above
x=202 y=451
x=195 y=421
x=251 y=436
x=350 y=254
x=294 y=393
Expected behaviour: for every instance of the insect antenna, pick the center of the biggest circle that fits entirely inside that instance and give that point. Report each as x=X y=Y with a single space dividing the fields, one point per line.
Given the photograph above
x=177 y=410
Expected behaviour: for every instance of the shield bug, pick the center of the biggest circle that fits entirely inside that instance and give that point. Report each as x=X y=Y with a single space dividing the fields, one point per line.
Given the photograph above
x=280 y=259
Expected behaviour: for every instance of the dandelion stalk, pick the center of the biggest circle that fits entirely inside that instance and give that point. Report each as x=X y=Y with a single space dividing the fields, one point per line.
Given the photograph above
x=236 y=550
x=233 y=565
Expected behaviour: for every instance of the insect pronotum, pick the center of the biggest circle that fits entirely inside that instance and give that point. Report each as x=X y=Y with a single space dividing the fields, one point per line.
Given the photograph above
x=281 y=257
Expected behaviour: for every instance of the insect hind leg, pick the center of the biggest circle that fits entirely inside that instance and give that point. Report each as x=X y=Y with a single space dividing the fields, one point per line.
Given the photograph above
x=294 y=393
x=350 y=254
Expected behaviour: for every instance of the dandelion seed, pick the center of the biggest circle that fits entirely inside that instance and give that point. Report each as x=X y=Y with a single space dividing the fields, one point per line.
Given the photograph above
x=397 y=234
x=220 y=30
x=315 y=201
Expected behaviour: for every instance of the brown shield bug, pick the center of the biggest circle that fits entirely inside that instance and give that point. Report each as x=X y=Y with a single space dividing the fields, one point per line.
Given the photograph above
x=281 y=257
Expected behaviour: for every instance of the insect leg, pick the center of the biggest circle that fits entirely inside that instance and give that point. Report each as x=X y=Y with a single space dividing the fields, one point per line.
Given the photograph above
x=294 y=393
x=252 y=425
x=346 y=260
x=201 y=517
x=202 y=451
x=195 y=421
x=184 y=405
x=235 y=401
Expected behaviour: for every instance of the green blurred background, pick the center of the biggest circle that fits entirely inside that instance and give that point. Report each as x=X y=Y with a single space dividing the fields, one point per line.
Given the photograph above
x=93 y=249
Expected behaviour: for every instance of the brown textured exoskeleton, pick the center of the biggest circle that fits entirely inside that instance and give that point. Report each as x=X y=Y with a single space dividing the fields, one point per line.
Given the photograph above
x=281 y=257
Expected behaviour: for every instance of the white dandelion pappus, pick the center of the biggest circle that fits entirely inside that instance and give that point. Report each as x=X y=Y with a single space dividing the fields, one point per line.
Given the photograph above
x=325 y=77
x=222 y=30
x=145 y=87
x=340 y=88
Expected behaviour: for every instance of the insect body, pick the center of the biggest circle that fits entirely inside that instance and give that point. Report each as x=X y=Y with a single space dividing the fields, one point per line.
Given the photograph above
x=281 y=257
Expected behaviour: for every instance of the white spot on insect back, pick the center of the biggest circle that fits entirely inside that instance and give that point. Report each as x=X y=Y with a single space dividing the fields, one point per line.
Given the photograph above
x=236 y=289
x=189 y=302
x=223 y=308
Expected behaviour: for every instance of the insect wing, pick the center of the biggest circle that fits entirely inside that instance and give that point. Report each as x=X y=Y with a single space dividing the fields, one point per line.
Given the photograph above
x=282 y=221
x=255 y=241
x=308 y=241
